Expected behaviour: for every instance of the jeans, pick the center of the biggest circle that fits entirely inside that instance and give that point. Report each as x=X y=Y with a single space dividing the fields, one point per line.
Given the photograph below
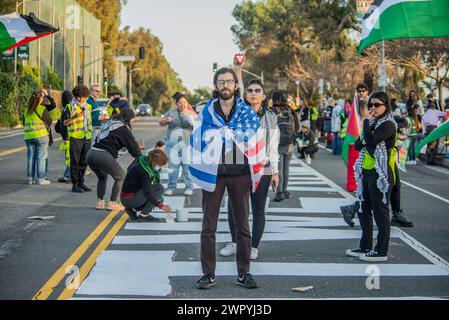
x=37 y=154
x=411 y=150
x=336 y=144
x=285 y=156
x=174 y=166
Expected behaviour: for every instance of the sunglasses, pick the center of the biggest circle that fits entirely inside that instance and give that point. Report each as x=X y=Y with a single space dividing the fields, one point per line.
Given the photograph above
x=361 y=91
x=258 y=90
x=376 y=105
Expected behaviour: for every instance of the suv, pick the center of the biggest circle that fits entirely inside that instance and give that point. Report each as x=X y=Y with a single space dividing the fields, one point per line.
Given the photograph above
x=143 y=110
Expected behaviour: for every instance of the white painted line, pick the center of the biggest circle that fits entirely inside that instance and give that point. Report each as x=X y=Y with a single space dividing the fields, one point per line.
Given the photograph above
x=11 y=135
x=311 y=189
x=309 y=183
x=147 y=273
x=324 y=148
x=437 y=169
x=425 y=191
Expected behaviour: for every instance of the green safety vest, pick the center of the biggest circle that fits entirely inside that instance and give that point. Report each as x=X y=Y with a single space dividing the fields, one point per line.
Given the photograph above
x=314 y=114
x=34 y=126
x=76 y=128
x=369 y=163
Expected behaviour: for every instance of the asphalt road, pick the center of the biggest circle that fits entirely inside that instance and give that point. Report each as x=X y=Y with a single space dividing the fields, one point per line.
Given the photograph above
x=303 y=244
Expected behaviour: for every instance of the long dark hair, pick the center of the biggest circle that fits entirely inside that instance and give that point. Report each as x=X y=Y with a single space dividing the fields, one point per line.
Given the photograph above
x=279 y=99
x=126 y=115
x=382 y=96
x=264 y=106
x=66 y=98
x=234 y=75
x=34 y=101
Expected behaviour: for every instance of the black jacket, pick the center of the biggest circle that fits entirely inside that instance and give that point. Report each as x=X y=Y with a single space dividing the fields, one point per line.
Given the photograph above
x=137 y=179
x=118 y=139
x=386 y=132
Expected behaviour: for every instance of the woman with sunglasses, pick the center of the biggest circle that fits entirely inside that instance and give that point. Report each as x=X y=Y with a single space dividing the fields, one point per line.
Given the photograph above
x=256 y=97
x=375 y=177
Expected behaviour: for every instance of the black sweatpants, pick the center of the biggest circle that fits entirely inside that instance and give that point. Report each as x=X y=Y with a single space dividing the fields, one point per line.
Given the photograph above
x=238 y=188
x=373 y=205
x=258 y=202
x=78 y=159
x=395 y=199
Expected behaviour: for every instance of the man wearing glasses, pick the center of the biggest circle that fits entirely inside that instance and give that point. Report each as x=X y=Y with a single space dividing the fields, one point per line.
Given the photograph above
x=95 y=92
x=233 y=175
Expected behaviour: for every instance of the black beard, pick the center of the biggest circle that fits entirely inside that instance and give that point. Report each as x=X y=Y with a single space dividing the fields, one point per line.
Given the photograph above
x=226 y=96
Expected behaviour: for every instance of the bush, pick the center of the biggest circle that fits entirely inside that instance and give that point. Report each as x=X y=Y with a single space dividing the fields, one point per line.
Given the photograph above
x=9 y=116
x=53 y=80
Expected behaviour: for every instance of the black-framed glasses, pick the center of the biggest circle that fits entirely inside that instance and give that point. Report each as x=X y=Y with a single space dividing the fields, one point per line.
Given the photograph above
x=258 y=90
x=229 y=82
x=361 y=91
x=376 y=105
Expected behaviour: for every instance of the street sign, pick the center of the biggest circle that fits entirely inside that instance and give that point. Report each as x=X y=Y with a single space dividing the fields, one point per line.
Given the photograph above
x=8 y=55
x=23 y=53
x=240 y=57
x=126 y=58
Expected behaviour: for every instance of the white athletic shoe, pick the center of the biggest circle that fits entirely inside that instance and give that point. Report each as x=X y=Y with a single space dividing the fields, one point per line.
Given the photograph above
x=188 y=192
x=44 y=182
x=254 y=253
x=169 y=192
x=229 y=250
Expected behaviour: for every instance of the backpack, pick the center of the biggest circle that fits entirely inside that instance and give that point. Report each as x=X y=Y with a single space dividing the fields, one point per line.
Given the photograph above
x=286 y=124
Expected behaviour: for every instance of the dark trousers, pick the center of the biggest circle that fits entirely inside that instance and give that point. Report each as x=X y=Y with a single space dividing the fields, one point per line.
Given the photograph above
x=432 y=148
x=238 y=188
x=104 y=164
x=140 y=202
x=258 y=202
x=373 y=205
x=395 y=199
x=310 y=151
x=78 y=159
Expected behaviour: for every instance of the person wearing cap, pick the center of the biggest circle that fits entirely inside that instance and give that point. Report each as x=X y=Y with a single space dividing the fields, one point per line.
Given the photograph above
x=102 y=157
x=306 y=140
x=180 y=126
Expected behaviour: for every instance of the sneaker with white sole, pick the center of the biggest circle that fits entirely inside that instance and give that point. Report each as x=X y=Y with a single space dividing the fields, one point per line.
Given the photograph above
x=254 y=253
x=357 y=252
x=44 y=182
x=229 y=250
x=188 y=192
x=100 y=205
x=115 y=206
x=30 y=182
x=169 y=192
x=373 y=256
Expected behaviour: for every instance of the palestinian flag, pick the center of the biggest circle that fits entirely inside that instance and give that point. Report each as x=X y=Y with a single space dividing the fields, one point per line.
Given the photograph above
x=16 y=30
x=436 y=134
x=350 y=155
x=395 y=19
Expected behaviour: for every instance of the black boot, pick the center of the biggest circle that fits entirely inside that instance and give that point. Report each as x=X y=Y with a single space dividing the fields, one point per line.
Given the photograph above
x=77 y=189
x=85 y=188
x=399 y=220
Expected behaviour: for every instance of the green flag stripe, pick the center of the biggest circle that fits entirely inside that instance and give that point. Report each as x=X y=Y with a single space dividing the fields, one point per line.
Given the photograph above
x=410 y=19
x=6 y=40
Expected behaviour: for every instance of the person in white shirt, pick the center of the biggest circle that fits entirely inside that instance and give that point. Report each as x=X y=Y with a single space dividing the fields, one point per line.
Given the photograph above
x=430 y=122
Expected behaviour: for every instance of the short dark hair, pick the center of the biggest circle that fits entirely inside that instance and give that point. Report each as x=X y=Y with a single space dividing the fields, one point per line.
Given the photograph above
x=279 y=98
x=159 y=157
x=362 y=86
x=385 y=98
x=81 y=91
x=180 y=96
x=234 y=75
x=160 y=143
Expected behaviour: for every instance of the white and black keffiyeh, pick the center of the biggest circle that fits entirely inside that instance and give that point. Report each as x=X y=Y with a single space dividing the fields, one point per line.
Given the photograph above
x=381 y=167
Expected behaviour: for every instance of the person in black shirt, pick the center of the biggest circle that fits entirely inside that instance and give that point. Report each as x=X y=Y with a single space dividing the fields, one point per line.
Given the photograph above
x=114 y=135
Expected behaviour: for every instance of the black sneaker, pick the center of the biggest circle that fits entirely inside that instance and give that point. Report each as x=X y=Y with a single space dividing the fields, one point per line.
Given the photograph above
x=348 y=215
x=77 y=189
x=64 y=180
x=357 y=252
x=399 y=220
x=279 y=197
x=287 y=195
x=85 y=188
x=206 y=282
x=131 y=213
x=373 y=256
x=247 y=281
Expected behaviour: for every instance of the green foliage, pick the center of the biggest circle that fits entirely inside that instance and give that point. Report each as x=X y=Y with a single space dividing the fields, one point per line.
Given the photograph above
x=199 y=95
x=53 y=80
x=8 y=94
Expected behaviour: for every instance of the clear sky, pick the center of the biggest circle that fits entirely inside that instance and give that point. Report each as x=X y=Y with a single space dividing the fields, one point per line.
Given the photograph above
x=195 y=34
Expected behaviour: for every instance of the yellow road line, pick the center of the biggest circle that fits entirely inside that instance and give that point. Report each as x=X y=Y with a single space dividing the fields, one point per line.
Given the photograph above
x=16 y=150
x=91 y=261
x=53 y=282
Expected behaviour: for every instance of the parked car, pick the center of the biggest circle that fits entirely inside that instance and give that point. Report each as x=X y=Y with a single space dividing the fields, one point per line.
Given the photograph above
x=144 y=110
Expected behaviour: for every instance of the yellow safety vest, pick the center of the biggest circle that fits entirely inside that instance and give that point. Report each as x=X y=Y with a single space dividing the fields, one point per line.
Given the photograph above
x=34 y=126
x=314 y=114
x=76 y=128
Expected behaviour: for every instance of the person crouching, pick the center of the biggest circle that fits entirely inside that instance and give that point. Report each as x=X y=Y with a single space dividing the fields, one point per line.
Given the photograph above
x=306 y=140
x=142 y=191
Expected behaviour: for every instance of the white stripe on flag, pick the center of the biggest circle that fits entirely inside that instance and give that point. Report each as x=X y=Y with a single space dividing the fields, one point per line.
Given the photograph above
x=16 y=26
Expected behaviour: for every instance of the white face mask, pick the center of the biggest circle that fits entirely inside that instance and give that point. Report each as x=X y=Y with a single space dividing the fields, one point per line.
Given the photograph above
x=157 y=168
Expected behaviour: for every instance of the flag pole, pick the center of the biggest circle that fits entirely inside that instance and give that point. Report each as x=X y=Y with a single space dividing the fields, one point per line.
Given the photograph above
x=383 y=68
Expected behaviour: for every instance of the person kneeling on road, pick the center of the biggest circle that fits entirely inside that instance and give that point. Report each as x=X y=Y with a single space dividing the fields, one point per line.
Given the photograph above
x=306 y=141
x=142 y=190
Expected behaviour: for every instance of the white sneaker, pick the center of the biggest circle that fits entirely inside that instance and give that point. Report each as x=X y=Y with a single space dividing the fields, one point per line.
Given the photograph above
x=44 y=182
x=30 y=182
x=414 y=162
x=169 y=192
x=409 y=162
x=254 y=253
x=308 y=160
x=229 y=250
x=188 y=192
